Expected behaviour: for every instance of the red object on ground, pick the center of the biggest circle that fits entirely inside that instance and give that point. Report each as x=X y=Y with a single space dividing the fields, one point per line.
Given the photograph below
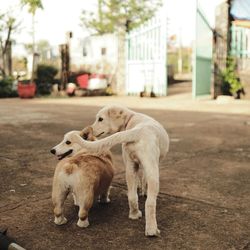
x=83 y=81
x=26 y=90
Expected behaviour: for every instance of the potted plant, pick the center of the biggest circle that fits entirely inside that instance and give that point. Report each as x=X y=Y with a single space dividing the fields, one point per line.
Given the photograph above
x=26 y=89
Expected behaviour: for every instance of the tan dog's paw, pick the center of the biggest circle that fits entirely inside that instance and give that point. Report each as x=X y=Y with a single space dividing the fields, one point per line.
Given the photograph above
x=150 y=232
x=83 y=223
x=135 y=215
x=60 y=220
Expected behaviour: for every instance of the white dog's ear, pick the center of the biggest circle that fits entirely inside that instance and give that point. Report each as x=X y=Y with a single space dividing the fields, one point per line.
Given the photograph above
x=115 y=113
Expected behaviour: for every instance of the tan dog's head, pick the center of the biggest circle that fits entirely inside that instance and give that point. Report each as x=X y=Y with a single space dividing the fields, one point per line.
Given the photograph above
x=109 y=120
x=69 y=146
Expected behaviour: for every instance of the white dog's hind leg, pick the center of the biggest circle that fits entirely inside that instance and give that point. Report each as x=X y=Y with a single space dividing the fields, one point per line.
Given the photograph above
x=152 y=172
x=132 y=182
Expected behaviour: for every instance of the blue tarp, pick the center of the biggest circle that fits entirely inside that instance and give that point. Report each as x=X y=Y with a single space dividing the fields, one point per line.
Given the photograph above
x=240 y=9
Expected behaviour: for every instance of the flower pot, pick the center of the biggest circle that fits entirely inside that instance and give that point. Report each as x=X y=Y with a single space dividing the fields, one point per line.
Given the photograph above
x=26 y=90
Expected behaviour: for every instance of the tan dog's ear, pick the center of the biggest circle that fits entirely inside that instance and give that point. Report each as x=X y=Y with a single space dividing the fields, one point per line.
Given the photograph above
x=87 y=134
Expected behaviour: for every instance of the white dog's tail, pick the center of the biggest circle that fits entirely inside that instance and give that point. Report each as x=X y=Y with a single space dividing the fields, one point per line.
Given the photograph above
x=107 y=143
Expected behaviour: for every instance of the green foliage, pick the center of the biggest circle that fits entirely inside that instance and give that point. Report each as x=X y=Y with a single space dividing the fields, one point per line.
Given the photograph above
x=45 y=78
x=46 y=73
x=33 y=5
x=6 y=88
x=173 y=60
x=231 y=83
x=113 y=14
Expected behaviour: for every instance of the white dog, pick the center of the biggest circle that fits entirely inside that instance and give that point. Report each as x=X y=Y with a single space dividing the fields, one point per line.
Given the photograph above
x=145 y=143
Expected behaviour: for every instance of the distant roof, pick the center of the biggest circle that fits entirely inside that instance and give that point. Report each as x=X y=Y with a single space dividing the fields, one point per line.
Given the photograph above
x=240 y=9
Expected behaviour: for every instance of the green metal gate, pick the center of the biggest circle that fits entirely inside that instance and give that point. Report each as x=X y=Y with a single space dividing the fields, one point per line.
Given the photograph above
x=146 y=62
x=202 y=64
x=240 y=44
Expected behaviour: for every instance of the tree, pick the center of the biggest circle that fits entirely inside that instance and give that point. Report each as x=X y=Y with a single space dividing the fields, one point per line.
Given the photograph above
x=8 y=24
x=120 y=17
x=42 y=48
x=33 y=6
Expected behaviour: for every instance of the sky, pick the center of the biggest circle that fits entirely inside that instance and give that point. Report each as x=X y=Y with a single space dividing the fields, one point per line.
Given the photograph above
x=60 y=16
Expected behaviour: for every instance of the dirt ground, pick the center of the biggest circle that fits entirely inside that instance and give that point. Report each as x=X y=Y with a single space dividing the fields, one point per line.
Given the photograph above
x=205 y=179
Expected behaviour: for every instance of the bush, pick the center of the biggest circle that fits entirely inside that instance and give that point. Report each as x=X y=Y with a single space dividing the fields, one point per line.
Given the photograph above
x=6 y=88
x=231 y=84
x=45 y=78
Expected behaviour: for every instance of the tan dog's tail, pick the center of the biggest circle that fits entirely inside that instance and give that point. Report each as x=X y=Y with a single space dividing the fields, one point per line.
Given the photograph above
x=107 y=143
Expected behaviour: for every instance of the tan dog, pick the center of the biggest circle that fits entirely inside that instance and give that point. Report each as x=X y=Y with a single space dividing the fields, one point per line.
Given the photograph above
x=85 y=175
x=144 y=143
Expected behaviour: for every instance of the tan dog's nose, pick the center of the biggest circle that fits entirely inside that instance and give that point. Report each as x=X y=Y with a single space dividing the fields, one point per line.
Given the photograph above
x=53 y=151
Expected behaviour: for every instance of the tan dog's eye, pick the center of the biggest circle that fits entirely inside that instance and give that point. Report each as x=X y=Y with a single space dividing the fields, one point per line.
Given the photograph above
x=100 y=119
x=68 y=142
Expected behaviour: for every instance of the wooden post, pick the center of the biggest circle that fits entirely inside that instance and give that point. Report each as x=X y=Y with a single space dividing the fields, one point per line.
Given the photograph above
x=64 y=65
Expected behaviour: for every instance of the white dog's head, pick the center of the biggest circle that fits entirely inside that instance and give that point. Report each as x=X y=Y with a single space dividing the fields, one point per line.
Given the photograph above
x=109 y=120
x=69 y=146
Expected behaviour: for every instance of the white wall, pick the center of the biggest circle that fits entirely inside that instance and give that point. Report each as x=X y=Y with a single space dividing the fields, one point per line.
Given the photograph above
x=94 y=45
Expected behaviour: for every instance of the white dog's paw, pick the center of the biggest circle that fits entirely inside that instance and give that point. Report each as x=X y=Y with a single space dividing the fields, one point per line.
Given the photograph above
x=151 y=231
x=60 y=220
x=83 y=223
x=135 y=215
